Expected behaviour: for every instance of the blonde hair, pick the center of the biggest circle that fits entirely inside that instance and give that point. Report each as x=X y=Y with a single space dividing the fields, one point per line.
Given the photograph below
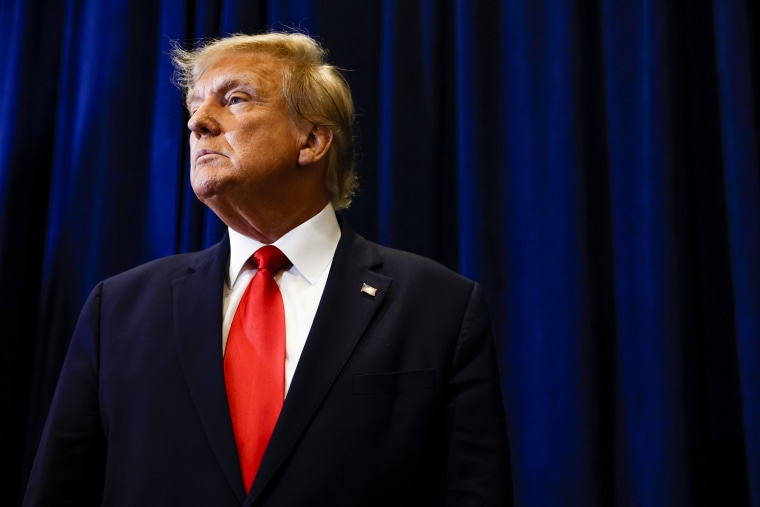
x=313 y=90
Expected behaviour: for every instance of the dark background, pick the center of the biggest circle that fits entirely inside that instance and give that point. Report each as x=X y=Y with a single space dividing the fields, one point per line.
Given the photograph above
x=592 y=163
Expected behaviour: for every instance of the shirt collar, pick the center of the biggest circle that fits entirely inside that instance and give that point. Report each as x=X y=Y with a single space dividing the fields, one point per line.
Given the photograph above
x=310 y=246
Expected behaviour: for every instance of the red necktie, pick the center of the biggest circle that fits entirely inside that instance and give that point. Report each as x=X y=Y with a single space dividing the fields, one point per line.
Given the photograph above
x=254 y=362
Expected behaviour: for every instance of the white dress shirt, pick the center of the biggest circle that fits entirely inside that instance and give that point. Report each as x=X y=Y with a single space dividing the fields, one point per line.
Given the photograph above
x=310 y=247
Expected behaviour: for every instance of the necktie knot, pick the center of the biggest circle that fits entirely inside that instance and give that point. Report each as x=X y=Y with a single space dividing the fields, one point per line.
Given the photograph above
x=271 y=258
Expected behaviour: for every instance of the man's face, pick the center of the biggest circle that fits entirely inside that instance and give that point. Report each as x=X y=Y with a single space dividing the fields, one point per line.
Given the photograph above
x=243 y=144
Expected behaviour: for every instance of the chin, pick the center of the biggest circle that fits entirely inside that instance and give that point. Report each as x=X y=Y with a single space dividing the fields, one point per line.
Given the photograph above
x=203 y=191
x=205 y=184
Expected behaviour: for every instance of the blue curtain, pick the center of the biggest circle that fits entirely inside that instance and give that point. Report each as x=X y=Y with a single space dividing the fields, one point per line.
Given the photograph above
x=593 y=164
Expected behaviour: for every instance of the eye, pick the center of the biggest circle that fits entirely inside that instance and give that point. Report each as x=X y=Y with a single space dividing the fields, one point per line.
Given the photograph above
x=236 y=100
x=191 y=107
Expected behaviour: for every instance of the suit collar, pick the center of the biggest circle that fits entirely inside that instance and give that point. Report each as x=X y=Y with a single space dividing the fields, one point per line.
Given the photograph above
x=197 y=299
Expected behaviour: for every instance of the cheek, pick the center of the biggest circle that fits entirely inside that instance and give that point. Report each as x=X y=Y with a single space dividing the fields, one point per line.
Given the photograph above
x=248 y=151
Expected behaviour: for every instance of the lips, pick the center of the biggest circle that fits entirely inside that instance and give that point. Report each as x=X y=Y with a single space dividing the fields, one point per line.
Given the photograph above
x=204 y=152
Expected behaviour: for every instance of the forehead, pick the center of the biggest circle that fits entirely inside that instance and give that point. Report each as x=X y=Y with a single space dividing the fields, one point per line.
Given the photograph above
x=258 y=72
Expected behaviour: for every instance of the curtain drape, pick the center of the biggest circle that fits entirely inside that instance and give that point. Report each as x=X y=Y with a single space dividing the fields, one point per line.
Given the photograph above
x=592 y=163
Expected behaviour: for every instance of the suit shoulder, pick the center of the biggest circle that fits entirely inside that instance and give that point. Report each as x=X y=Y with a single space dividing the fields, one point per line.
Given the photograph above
x=415 y=267
x=166 y=269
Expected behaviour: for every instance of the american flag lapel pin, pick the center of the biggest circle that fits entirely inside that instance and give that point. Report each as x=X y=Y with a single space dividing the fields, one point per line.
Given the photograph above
x=368 y=289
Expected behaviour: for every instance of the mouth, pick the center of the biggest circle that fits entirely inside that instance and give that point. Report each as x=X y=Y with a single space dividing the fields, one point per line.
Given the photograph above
x=205 y=152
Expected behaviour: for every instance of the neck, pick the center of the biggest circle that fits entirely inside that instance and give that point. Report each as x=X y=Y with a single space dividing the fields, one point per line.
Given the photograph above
x=268 y=225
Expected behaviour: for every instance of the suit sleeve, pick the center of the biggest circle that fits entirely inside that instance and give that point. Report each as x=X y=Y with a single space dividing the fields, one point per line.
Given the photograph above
x=70 y=462
x=478 y=470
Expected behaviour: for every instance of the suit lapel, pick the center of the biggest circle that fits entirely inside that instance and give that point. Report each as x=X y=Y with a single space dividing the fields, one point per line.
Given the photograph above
x=198 y=320
x=343 y=315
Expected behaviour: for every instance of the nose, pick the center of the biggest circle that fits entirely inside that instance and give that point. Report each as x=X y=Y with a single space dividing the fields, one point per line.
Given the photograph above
x=204 y=121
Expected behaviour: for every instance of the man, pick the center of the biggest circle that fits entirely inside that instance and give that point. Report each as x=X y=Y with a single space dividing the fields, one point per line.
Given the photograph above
x=385 y=359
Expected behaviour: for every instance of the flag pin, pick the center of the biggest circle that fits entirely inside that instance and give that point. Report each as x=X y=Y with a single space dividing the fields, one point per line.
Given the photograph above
x=368 y=289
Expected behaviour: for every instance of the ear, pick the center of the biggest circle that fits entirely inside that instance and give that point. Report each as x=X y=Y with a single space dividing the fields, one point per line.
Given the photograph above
x=316 y=145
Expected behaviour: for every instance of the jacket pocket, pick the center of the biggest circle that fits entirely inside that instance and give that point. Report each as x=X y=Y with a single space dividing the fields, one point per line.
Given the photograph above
x=393 y=382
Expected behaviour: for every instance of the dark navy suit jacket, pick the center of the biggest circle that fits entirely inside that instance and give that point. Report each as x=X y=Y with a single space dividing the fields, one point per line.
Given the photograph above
x=395 y=401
